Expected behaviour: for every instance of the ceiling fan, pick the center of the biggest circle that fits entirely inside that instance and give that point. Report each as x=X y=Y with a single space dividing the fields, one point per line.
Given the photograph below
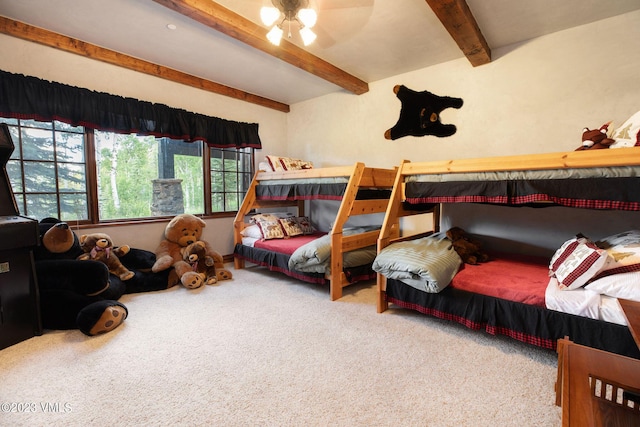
x=333 y=24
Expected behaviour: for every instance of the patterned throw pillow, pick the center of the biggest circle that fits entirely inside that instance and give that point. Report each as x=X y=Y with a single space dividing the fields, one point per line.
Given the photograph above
x=628 y=135
x=624 y=253
x=576 y=262
x=305 y=225
x=278 y=163
x=291 y=226
x=270 y=228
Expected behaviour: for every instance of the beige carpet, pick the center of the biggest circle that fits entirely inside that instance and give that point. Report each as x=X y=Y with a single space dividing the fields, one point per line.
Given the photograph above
x=266 y=350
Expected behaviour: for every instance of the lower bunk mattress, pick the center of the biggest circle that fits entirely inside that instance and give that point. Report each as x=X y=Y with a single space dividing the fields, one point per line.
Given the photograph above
x=506 y=296
x=276 y=254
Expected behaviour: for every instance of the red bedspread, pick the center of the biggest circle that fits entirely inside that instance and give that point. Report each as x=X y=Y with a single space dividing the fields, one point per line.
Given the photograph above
x=286 y=246
x=511 y=277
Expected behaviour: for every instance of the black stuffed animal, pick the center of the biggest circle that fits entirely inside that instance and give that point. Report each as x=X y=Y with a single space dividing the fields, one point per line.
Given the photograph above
x=420 y=114
x=83 y=294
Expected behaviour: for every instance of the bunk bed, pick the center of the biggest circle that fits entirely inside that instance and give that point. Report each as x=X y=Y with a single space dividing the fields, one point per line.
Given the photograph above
x=476 y=296
x=361 y=190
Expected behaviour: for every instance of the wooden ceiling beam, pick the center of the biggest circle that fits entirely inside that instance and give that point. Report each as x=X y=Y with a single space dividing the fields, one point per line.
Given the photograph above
x=38 y=35
x=221 y=19
x=457 y=18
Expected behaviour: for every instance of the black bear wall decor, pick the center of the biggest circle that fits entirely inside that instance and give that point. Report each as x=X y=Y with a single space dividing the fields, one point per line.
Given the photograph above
x=420 y=114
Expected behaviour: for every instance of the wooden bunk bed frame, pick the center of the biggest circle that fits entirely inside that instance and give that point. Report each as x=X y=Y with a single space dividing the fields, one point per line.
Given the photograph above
x=360 y=177
x=390 y=231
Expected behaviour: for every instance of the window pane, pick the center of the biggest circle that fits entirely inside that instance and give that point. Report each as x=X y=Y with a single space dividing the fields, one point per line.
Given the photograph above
x=40 y=177
x=46 y=163
x=37 y=144
x=141 y=176
x=71 y=178
x=231 y=172
x=41 y=206
x=70 y=147
x=127 y=164
x=73 y=206
x=15 y=175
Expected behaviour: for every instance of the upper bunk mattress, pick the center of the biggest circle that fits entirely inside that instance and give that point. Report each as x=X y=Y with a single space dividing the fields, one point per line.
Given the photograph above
x=592 y=188
x=329 y=188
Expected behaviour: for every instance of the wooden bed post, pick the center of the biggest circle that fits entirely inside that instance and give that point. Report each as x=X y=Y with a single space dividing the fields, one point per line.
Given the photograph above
x=238 y=222
x=336 y=279
x=390 y=230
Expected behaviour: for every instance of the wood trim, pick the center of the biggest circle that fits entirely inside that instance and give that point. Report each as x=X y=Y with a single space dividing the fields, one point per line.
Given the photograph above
x=58 y=41
x=233 y=25
x=457 y=18
x=561 y=160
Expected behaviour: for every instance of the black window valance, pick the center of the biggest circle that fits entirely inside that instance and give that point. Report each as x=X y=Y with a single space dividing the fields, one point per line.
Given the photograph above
x=28 y=97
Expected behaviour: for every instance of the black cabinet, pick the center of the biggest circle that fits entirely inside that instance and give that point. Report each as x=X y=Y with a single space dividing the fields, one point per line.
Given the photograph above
x=19 y=311
x=19 y=304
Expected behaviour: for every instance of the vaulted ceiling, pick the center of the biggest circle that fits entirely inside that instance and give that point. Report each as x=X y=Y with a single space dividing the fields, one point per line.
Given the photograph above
x=221 y=46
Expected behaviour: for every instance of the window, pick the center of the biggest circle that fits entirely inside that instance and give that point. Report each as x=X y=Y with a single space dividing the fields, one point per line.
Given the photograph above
x=56 y=169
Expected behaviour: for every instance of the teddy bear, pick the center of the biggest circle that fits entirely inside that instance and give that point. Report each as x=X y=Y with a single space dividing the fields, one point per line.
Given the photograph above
x=99 y=247
x=468 y=248
x=83 y=294
x=200 y=262
x=595 y=139
x=74 y=294
x=181 y=231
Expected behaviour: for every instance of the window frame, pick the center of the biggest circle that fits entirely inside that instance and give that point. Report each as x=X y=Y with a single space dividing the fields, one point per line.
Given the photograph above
x=91 y=176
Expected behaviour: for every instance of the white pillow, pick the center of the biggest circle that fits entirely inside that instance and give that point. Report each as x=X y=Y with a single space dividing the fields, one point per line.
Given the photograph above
x=628 y=134
x=576 y=262
x=624 y=253
x=252 y=231
x=622 y=285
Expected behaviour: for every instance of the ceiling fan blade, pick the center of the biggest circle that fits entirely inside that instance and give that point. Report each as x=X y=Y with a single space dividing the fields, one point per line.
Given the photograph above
x=343 y=4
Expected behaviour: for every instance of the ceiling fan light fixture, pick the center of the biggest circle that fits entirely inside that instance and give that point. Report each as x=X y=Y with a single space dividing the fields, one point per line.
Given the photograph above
x=308 y=17
x=275 y=35
x=269 y=15
x=307 y=35
x=292 y=13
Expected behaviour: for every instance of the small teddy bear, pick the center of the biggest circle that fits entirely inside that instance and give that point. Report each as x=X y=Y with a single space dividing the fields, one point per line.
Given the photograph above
x=99 y=247
x=195 y=254
x=595 y=139
x=469 y=249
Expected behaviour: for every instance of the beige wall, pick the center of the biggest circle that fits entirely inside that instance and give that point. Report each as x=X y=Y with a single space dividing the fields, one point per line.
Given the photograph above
x=32 y=59
x=534 y=97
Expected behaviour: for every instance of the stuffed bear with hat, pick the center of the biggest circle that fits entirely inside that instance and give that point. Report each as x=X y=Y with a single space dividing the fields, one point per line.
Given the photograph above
x=180 y=232
x=84 y=295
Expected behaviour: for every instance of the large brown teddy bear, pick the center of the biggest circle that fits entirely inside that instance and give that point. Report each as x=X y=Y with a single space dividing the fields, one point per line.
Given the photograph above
x=183 y=230
x=469 y=249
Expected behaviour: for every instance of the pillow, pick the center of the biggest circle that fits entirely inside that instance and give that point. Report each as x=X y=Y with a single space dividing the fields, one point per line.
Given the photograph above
x=623 y=285
x=262 y=217
x=278 y=163
x=265 y=166
x=624 y=253
x=628 y=134
x=290 y=226
x=272 y=216
x=305 y=225
x=270 y=228
x=577 y=261
x=252 y=231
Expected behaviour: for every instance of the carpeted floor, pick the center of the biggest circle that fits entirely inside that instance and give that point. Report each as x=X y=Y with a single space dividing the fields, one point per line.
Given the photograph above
x=266 y=350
